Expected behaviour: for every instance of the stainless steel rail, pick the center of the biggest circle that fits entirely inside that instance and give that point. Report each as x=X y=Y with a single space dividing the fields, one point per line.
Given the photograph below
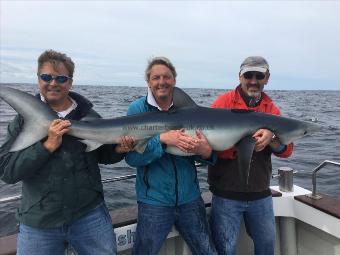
x=113 y=179
x=119 y=178
x=319 y=167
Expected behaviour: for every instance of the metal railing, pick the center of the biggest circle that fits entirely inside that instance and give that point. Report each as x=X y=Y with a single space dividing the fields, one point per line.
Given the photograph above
x=113 y=179
x=319 y=167
x=313 y=195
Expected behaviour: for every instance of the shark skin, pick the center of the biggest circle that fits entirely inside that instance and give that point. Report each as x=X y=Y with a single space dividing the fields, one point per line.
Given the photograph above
x=223 y=128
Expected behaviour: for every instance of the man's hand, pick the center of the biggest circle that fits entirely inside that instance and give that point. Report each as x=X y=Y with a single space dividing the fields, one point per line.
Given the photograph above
x=202 y=146
x=179 y=138
x=55 y=134
x=263 y=138
x=126 y=144
x=187 y=143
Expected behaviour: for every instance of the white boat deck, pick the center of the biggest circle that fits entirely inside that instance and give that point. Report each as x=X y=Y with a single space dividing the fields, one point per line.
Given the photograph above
x=302 y=228
x=287 y=206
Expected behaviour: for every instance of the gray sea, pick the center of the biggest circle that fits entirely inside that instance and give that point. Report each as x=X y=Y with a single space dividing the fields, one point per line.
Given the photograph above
x=319 y=106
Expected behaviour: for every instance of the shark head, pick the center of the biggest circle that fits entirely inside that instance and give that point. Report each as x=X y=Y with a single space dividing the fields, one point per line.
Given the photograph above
x=296 y=129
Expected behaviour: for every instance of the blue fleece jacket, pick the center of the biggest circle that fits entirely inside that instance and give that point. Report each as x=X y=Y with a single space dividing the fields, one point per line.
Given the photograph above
x=162 y=178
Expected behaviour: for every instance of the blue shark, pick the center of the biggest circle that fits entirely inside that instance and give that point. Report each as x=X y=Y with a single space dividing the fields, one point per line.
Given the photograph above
x=223 y=128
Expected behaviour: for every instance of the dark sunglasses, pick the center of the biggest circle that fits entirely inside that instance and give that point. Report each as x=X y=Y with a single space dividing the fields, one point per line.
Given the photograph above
x=250 y=75
x=59 y=78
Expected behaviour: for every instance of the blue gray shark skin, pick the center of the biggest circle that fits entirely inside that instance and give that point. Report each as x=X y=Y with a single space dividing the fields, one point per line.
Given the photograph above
x=223 y=128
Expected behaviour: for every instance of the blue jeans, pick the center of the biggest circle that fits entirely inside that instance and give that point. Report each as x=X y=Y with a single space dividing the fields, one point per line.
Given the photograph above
x=155 y=223
x=90 y=234
x=259 y=220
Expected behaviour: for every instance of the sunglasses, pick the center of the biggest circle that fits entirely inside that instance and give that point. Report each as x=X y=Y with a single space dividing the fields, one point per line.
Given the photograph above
x=250 y=75
x=58 y=78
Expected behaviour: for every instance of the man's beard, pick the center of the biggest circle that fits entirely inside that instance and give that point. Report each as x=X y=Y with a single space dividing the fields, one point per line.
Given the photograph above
x=254 y=94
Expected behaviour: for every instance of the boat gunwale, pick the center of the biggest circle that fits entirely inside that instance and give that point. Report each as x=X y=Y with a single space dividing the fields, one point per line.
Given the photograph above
x=128 y=216
x=120 y=218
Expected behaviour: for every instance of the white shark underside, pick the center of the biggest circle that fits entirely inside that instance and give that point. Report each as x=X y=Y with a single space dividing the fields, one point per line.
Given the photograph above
x=223 y=128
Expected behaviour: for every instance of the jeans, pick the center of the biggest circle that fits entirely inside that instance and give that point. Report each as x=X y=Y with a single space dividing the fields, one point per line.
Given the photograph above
x=258 y=218
x=88 y=235
x=155 y=223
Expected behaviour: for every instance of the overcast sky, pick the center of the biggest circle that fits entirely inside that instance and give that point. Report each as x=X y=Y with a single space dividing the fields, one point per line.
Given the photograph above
x=111 y=41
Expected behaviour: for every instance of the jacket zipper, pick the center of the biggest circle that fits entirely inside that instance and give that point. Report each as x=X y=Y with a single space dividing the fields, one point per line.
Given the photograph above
x=176 y=179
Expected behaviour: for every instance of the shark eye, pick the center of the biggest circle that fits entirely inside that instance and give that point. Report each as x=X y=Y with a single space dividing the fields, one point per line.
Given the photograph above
x=305 y=133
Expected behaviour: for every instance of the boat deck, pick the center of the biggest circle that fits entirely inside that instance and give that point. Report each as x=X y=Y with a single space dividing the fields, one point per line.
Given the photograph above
x=297 y=217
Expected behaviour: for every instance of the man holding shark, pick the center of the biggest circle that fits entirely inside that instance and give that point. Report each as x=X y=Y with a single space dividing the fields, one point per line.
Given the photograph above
x=62 y=194
x=160 y=123
x=235 y=197
x=167 y=187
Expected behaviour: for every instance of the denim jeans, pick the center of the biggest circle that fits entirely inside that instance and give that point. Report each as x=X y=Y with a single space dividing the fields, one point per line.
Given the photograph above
x=226 y=215
x=155 y=223
x=90 y=234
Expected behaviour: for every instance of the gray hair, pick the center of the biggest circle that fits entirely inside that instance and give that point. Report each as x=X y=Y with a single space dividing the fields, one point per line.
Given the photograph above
x=159 y=61
x=54 y=58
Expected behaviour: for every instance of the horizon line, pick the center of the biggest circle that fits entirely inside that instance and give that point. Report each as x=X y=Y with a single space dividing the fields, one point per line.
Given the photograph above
x=102 y=85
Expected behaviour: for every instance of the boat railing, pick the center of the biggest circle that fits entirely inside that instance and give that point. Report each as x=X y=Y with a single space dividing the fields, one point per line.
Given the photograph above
x=108 y=180
x=314 y=195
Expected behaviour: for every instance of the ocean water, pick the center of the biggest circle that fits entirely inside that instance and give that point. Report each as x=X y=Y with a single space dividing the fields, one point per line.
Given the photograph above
x=322 y=107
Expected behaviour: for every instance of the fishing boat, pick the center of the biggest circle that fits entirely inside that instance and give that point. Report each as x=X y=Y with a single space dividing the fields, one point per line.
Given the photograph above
x=306 y=222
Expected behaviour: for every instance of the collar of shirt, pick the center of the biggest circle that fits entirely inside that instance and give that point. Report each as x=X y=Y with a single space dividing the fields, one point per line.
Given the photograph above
x=152 y=101
x=63 y=114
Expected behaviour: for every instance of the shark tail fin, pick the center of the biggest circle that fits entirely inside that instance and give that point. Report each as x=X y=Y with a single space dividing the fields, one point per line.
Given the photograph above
x=37 y=116
x=30 y=133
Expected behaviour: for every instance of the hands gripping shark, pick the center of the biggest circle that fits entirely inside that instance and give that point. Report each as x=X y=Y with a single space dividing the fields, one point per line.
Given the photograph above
x=223 y=128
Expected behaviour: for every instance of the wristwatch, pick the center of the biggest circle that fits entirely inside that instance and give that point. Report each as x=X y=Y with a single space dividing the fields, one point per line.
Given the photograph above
x=273 y=137
x=281 y=146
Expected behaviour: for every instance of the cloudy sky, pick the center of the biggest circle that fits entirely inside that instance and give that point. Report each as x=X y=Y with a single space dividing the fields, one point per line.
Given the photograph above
x=111 y=41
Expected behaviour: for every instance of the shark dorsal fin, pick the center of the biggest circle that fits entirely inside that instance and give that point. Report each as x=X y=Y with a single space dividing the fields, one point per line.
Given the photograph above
x=182 y=99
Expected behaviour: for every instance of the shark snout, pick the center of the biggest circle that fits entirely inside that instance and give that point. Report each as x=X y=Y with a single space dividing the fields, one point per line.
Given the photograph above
x=312 y=128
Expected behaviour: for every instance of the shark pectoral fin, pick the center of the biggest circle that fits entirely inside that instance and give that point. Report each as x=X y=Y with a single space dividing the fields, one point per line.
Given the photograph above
x=141 y=145
x=245 y=148
x=91 y=145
